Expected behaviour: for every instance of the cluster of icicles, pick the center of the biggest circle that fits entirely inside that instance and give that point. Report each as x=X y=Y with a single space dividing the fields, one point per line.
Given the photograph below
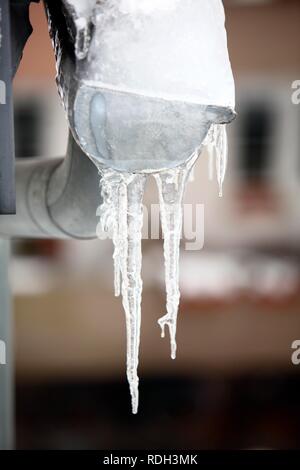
x=121 y=214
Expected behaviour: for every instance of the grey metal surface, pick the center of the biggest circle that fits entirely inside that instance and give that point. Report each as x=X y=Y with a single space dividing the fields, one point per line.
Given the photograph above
x=7 y=170
x=56 y=198
x=6 y=370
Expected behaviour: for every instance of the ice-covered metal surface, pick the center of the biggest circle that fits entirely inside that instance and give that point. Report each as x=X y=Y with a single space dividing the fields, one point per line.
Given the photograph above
x=132 y=74
x=168 y=48
x=130 y=132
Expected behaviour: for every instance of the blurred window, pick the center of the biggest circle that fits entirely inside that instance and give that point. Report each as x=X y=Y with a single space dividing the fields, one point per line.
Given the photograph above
x=256 y=136
x=28 y=128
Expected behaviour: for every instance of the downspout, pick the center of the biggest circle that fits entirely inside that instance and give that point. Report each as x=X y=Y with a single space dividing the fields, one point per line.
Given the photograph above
x=56 y=198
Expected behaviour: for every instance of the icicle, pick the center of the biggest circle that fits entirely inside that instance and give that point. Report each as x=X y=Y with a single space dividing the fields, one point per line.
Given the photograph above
x=122 y=213
x=191 y=178
x=109 y=214
x=171 y=185
x=217 y=147
x=210 y=149
x=221 y=155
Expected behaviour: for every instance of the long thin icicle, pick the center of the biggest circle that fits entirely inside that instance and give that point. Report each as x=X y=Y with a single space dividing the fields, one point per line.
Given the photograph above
x=122 y=214
x=222 y=155
x=171 y=185
x=109 y=213
x=217 y=147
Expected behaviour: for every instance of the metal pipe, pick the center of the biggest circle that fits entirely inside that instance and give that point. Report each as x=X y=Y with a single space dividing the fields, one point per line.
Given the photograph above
x=6 y=354
x=7 y=160
x=56 y=198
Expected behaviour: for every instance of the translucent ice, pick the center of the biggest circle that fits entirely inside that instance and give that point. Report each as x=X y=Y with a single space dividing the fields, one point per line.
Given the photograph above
x=171 y=185
x=122 y=214
x=216 y=143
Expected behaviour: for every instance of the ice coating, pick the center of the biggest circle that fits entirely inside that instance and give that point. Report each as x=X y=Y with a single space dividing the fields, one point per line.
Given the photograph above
x=136 y=133
x=146 y=6
x=157 y=67
x=173 y=49
x=81 y=11
x=122 y=214
x=81 y=7
x=171 y=185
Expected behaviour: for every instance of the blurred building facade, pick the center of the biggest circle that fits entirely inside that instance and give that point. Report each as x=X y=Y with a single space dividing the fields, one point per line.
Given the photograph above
x=240 y=294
